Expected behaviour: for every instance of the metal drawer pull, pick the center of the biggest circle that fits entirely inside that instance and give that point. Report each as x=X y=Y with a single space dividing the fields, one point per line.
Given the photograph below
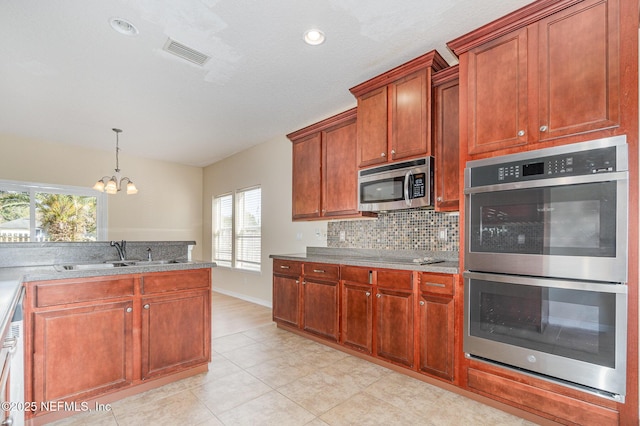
x=284 y=267
x=318 y=271
x=146 y=306
x=129 y=309
x=422 y=303
x=368 y=293
x=435 y=284
x=378 y=295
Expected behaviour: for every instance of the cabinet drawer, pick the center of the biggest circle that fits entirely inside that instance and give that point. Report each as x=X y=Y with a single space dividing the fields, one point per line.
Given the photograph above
x=161 y=282
x=356 y=274
x=287 y=267
x=61 y=292
x=436 y=283
x=325 y=271
x=395 y=279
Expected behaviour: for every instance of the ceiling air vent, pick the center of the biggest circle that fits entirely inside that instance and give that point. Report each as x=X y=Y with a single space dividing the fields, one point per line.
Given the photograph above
x=185 y=52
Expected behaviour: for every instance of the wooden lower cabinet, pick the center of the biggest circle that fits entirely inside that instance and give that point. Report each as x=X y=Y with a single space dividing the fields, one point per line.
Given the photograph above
x=320 y=309
x=394 y=313
x=175 y=332
x=356 y=329
x=436 y=319
x=87 y=337
x=286 y=292
x=82 y=352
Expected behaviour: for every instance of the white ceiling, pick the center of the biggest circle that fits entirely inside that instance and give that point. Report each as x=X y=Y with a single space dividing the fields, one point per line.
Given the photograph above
x=66 y=76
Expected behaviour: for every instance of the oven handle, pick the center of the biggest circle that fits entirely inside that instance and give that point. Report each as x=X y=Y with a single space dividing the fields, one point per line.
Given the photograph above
x=542 y=183
x=549 y=282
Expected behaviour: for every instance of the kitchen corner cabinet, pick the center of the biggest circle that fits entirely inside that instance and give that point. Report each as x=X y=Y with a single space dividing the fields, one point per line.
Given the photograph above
x=87 y=337
x=555 y=75
x=394 y=313
x=324 y=169
x=394 y=112
x=436 y=318
x=446 y=136
x=356 y=330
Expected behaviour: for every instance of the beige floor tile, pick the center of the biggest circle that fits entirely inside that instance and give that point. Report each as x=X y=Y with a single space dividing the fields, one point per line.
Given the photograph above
x=231 y=342
x=453 y=407
x=269 y=409
x=179 y=409
x=97 y=418
x=364 y=410
x=320 y=391
x=280 y=371
x=230 y=391
x=255 y=354
x=363 y=372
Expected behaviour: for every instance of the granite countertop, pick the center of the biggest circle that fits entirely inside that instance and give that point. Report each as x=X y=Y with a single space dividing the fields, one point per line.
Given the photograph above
x=390 y=259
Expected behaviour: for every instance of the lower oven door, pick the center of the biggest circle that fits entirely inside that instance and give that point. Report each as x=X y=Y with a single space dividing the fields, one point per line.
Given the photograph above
x=570 y=331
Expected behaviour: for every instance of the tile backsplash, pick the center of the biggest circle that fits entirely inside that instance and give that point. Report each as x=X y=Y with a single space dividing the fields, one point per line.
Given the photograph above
x=414 y=229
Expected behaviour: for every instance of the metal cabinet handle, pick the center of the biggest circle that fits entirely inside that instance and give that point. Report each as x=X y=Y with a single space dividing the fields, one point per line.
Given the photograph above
x=543 y=128
x=304 y=282
x=297 y=281
x=521 y=133
x=393 y=152
x=422 y=303
x=383 y=154
x=284 y=267
x=368 y=293
x=378 y=295
x=319 y=271
x=439 y=198
x=146 y=306
x=129 y=309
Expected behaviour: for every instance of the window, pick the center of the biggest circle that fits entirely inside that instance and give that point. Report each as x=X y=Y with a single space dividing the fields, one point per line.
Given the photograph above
x=237 y=229
x=37 y=212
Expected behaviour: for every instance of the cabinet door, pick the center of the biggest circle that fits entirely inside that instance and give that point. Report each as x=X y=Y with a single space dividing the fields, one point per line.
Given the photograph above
x=497 y=94
x=340 y=171
x=357 y=316
x=394 y=326
x=176 y=332
x=410 y=120
x=372 y=128
x=286 y=299
x=447 y=142
x=306 y=177
x=436 y=335
x=320 y=311
x=579 y=70
x=82 y=352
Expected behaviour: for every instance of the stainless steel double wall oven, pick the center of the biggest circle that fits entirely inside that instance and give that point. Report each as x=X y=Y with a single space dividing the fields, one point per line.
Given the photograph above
x=546 y=263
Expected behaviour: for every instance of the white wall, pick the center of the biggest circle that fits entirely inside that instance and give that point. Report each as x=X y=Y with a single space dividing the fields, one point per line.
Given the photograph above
x=268 y=165
x=168 y=205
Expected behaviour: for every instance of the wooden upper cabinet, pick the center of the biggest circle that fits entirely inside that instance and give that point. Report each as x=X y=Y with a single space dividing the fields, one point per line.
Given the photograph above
x=497 y=93
x=446 y=135
x=372 y=128
x=325 y=177
x=553 y=77
x=579 y=70
x=394 y=112
x=307 y=154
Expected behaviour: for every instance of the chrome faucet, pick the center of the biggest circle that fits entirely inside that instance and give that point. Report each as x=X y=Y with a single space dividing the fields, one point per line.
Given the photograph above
x=149 y=254
x=121 y=247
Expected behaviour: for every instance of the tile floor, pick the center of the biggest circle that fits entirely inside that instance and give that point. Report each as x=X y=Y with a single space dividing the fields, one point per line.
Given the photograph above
x=261 y=375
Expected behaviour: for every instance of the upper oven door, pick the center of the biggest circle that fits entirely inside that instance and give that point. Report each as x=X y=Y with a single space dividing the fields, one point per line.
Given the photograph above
x=571 y=227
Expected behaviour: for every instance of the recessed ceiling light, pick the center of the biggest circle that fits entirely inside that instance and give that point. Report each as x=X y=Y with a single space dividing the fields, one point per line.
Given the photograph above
x=314 y=37
x=123 y=26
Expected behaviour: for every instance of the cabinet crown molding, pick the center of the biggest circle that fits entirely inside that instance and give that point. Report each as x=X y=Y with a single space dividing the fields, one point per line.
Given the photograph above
x=508 y=23
x=430 y=59
x=337 y=119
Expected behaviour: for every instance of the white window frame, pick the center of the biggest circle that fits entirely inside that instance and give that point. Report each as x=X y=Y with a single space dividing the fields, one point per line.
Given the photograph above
x=33 y=187
x=237 y=232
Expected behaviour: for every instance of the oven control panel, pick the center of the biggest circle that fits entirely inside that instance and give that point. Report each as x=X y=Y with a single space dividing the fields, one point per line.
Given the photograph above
x=578 y=163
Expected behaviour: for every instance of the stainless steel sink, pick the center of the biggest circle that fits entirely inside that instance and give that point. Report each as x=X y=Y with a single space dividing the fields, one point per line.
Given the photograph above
x=83 y=266
x=112 y=264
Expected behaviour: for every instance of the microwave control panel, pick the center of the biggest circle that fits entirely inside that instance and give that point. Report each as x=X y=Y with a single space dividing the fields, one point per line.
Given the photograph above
x=601 y=160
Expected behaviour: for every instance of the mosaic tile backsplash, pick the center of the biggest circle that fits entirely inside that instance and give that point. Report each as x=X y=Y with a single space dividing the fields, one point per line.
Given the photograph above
x=414 y=229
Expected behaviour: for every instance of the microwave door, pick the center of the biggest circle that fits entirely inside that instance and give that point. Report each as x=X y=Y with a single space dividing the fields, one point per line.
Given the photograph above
x=408 y=179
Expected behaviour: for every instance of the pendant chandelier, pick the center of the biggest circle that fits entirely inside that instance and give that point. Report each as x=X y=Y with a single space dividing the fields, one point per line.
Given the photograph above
x=113 y=184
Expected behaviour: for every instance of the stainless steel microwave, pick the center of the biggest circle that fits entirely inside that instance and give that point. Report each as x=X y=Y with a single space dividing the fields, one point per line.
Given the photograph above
x=396 y=186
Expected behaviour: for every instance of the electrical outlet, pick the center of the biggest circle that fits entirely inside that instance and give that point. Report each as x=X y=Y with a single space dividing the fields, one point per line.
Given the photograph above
x=442 y=234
